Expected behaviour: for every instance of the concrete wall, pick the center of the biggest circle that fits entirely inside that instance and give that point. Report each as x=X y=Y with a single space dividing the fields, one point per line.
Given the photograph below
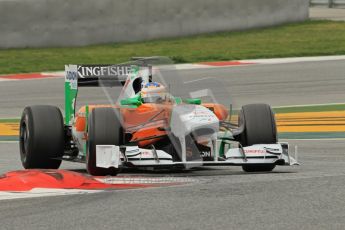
x=38 y=23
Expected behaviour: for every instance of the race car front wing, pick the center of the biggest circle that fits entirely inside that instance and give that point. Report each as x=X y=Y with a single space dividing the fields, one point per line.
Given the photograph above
x=128 y=156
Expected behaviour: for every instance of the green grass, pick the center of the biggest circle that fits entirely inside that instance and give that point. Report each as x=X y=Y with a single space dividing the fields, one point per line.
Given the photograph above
x=9 y=138
x=305 y=108
x=316 y=135
x=311 y=108
x=9 y=120
x=309 y=38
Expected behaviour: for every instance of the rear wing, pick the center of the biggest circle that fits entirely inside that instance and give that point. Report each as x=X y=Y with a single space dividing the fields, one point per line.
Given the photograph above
x=99 y=76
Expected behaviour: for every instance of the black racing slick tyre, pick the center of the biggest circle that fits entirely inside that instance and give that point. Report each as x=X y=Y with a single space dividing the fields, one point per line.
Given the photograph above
x=259 y=128
x=104 y=128
x=41 y=137
x=258 y=167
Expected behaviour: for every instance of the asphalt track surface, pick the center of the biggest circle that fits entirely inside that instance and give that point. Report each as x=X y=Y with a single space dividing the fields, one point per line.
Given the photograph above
x=307 y=197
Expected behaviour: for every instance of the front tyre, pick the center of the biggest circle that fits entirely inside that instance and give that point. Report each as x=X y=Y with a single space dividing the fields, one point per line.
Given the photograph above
x=104 y=128
x=259 y=128
x=41 y=137
x=258 y=167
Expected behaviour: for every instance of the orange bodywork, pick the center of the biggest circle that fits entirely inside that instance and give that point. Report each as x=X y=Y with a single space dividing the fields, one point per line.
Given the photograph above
x=145 y=123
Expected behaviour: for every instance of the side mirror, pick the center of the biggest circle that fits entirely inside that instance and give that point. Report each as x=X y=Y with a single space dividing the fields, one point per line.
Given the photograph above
x=195 y=101
x=135 y=101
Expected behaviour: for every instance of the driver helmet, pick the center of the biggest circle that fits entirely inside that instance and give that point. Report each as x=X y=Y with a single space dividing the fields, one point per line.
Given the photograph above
x=153 y=92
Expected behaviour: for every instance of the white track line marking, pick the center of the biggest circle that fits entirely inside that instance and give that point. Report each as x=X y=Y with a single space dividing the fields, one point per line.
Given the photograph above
x=205 y=78
x=145 y=180
x=44 y=192
x=296 y=59
x=57 y=74
x=5 y=79
x=191 y=66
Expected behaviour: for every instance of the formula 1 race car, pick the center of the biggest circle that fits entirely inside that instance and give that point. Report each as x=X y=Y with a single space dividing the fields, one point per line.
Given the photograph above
x=146 y=127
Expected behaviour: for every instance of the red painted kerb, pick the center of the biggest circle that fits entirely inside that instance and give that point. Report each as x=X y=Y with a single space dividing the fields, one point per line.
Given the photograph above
x=26 y=76
x=26 y=180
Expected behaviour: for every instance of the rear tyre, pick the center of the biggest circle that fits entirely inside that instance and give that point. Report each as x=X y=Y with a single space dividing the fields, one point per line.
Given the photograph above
x=105 y=128
x=259 y=128
x=41 y=137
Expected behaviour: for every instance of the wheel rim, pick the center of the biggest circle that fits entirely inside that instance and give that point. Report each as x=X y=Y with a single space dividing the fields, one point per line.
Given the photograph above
x=24 y=140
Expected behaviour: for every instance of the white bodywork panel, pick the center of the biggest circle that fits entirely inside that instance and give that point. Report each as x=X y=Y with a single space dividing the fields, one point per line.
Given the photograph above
x=261 y=153
x=110 y=156
x=255 y=151
x=187 y=118
x=107 y=156
x=142 y=157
